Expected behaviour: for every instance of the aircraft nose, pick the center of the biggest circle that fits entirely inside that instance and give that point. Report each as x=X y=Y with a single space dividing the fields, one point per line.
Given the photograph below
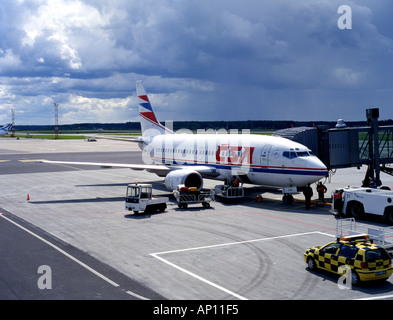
x=319 y=167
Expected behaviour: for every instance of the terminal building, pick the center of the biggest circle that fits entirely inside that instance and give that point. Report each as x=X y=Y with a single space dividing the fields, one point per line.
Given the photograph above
x=343 y=147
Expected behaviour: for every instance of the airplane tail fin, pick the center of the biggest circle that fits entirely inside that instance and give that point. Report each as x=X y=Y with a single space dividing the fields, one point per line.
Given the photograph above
x=6 y=128
x=149 y=123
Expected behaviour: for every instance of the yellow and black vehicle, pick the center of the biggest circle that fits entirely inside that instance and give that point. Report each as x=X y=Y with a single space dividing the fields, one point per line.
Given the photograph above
x=366 y=260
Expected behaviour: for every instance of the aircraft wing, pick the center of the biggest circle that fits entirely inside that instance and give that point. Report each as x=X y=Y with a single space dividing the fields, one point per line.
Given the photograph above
x=151 y=167
x=128 y=139
x=161 y=170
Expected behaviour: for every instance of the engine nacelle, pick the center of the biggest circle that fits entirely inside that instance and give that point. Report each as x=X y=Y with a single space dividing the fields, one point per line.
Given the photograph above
x=188 y=178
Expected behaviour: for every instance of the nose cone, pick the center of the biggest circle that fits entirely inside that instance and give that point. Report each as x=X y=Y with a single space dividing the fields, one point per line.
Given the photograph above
x=317 y=167
x=313 y=170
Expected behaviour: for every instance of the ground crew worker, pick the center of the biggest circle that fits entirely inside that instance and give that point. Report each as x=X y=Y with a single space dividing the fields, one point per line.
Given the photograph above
x=308 y=193
x=321 y=189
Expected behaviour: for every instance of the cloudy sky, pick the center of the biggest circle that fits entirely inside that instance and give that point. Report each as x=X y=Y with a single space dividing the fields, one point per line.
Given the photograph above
x=198 y=59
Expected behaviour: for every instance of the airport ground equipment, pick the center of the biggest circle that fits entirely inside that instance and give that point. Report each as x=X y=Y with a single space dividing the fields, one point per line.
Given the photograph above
x=288 y=193
x=228 y=193
x=191 y=195
x=359 y=201
x=382 y=236
x=139 y=198
x=366 y=260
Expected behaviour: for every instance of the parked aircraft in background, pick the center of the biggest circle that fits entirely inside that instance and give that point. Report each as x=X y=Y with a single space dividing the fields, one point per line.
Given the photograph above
x=188 y=158
x=5 y=129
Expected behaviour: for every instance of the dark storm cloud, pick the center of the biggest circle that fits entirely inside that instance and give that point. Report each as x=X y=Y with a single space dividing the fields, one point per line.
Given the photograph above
x=207 y=60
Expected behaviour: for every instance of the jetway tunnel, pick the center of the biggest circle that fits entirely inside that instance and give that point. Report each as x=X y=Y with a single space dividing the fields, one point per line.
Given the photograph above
x=343 y=147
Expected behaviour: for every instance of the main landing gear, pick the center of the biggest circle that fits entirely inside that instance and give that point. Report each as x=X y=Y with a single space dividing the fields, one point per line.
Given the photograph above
x=287 y=199
x=288 y=192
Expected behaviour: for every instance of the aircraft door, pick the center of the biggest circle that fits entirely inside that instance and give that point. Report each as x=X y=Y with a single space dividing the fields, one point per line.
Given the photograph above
x=265 y=155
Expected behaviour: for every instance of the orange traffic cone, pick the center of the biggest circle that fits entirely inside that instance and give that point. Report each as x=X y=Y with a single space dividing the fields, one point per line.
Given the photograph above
x=28 y=197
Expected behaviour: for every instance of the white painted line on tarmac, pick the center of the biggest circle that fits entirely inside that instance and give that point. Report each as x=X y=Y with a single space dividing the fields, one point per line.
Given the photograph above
x=157 y=256
x=239 y=242
x=63 y=252
x=73 y=258
x=377 y=297
x=136 y=295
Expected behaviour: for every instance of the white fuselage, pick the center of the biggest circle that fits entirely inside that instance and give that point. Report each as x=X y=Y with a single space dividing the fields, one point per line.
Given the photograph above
x=257 y=159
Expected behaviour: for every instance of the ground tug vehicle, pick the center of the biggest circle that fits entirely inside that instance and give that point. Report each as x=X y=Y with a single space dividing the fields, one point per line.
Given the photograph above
x=359 y=201
x=139 y=198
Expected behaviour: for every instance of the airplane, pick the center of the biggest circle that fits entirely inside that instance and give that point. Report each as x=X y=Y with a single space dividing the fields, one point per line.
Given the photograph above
x=186 y=158
x=5 y=129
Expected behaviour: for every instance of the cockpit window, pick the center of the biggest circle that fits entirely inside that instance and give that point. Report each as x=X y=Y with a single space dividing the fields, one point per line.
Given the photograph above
x=289 y=154
x=302 y=154
x=293 y=154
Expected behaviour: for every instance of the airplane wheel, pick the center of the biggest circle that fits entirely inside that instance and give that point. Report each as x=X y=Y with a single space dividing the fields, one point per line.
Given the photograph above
x=287 y=199
x=389 y=216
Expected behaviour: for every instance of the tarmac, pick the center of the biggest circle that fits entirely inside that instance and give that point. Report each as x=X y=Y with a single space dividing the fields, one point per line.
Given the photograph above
x=232 y=251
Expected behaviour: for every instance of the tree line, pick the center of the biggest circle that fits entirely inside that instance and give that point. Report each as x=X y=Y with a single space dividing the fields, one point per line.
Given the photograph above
x=253 y=125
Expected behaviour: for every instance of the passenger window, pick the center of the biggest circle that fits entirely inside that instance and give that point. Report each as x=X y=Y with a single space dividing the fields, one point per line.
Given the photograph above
x=133 y=192
x=348 y=252
x=331 y=248
x=377 y=254
x=145 y=193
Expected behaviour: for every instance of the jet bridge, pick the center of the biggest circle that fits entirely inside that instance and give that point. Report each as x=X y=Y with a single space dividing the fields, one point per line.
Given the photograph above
x=344 y=147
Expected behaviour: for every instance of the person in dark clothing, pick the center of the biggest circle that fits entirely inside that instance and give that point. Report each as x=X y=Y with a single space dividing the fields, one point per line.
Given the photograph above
x=321 y=189
x=308 y=193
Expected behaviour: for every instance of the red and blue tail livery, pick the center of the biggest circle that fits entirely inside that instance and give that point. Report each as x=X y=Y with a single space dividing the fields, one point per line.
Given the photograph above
x=149 y=123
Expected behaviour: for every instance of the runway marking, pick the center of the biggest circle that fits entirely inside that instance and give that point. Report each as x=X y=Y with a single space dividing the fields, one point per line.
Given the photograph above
x=30 y=160
x=157 y=256
x=62 y=251
x=136 y=295
x=99 y=169
x=71 y=257
x=377 y=298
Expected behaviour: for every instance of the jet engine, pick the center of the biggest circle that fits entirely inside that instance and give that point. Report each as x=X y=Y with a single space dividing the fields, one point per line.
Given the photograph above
x=188 y=178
